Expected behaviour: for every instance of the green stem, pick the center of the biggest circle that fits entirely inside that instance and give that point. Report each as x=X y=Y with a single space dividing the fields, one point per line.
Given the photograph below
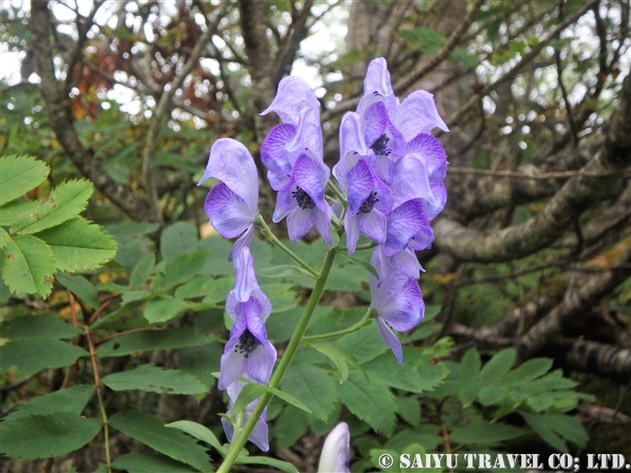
x=267 y=233
x=239 y=443
x=365 y=320
x=337 y=193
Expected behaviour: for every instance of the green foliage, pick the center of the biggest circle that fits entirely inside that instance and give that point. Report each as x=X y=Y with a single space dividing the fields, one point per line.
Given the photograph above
x=46 y=235
x=41 y=436
x=153 y=379
x=170 y=442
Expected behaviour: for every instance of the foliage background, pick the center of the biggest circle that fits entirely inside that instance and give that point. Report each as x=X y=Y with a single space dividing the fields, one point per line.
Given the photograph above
x=533 y=251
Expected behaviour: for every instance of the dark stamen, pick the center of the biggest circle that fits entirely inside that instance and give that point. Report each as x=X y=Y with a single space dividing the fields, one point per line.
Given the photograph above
x=304 y=200
x=369 y=203
x=247 y=343
x=379 y=146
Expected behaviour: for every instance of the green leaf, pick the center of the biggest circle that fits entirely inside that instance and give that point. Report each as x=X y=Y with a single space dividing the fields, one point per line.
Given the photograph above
x=150 y=463
x=278 y=464
x=79 y=245
x=145 y=340
x=289 y=399
x=470 y=60
x=28 y=265
x=31 y=355
x=66 y=201
x=555 y=429
x=19 y=175
x=178 y=239
x=35 y=326
x=11 y=212
x=333 y=353
x=531 y=369
x=199 y=432
x=81 y=288
x=72 y=399
x=484 y=433
x=4 y=238
x=142 y=271
x=180 y=270
x=164 y=309
x=200 y=286
x=498 y=366
x=170 y=442
x=289 y=426
x=362 y=264
x=313 y=387
x=409 y=408
x=364 y=345
x=426 y=39
x=42 y=436
x=153 y=379
x=372 y=403
x=284 y=271
x=248 y=394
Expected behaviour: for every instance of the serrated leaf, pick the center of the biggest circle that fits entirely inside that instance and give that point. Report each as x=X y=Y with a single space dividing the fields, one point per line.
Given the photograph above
x=278 y=464
x=372 y=403
x=19 y=175
x=364 y=345
x=199 y=432
x=498 y=366
x=12 y=211
x=66 y=201
x=153 y=379
x=289 y=426
x=81 y=288
x=289 y=399
x=145 y=340
x=528 y=371
x=72 y=399
x=28 y=265
x=484 y=433
x=142 y=270
x=543 y=427
x=248 y=394
x=79 y=245
x=43 y=436
x=38 y=326
x=333 y=353
x=284 y=271
x=150 y=463
x=426 y=39
x=180 y=270
x=313 y=387
x=199 y=286
x=409 y=408
x=170 y=442
x=31 y=355
x=164 y=309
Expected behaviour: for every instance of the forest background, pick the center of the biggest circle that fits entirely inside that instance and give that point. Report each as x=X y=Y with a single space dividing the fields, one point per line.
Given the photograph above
x=526 y=343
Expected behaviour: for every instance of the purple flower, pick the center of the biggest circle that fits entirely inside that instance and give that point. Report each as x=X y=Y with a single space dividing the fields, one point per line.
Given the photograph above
x=248 y=350
x=398 y=302
x=369 y=201
x=232 y=205
x=300 y=133
x=259 y=435
x=404 y=261
x=336 y=451
x=301 y=199
x=408 y=224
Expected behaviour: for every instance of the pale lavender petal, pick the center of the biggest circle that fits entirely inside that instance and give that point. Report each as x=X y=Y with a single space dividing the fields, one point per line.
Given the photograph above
x=232 y=163
x=403 y=307
x=351 y=228
x=323 y=223
x=245 y=277
x=403 y=223
x=374 y=122
x=407 y=262
x=390 y=339
x=299 y=222
x=352 y=136
x=259 y=435
x=260 y=362
x=340 y=170
x=378 y=78
x=243 y=242
x=423 y=239
x=229 y=214
x=232 y=361
x=438 y=201
x=418 y=114
x=308 y=135
x=432 y=152
x=383 y=167
x=285 y=201
x=384 y=194
x=336 y=451
x=292 y=96
x=374 y=225
x=410 y=179
x=311 y=176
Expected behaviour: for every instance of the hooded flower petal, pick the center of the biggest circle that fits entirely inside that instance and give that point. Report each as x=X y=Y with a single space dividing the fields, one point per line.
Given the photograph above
x=259 y=435
x=404 y=261
x=232 y=163
x=433 y=154
x=418 y=114
x=292 y=96
x=378 y=87
x=404 y=222
x=229 y=214
x=336 y=450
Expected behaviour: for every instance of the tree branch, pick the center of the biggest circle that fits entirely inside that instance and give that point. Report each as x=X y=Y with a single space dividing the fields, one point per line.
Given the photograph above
x=61 y=119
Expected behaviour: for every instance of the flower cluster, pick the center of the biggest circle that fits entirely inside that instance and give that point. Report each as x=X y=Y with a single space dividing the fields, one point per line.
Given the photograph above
x=390 y=183
x=392 y=172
